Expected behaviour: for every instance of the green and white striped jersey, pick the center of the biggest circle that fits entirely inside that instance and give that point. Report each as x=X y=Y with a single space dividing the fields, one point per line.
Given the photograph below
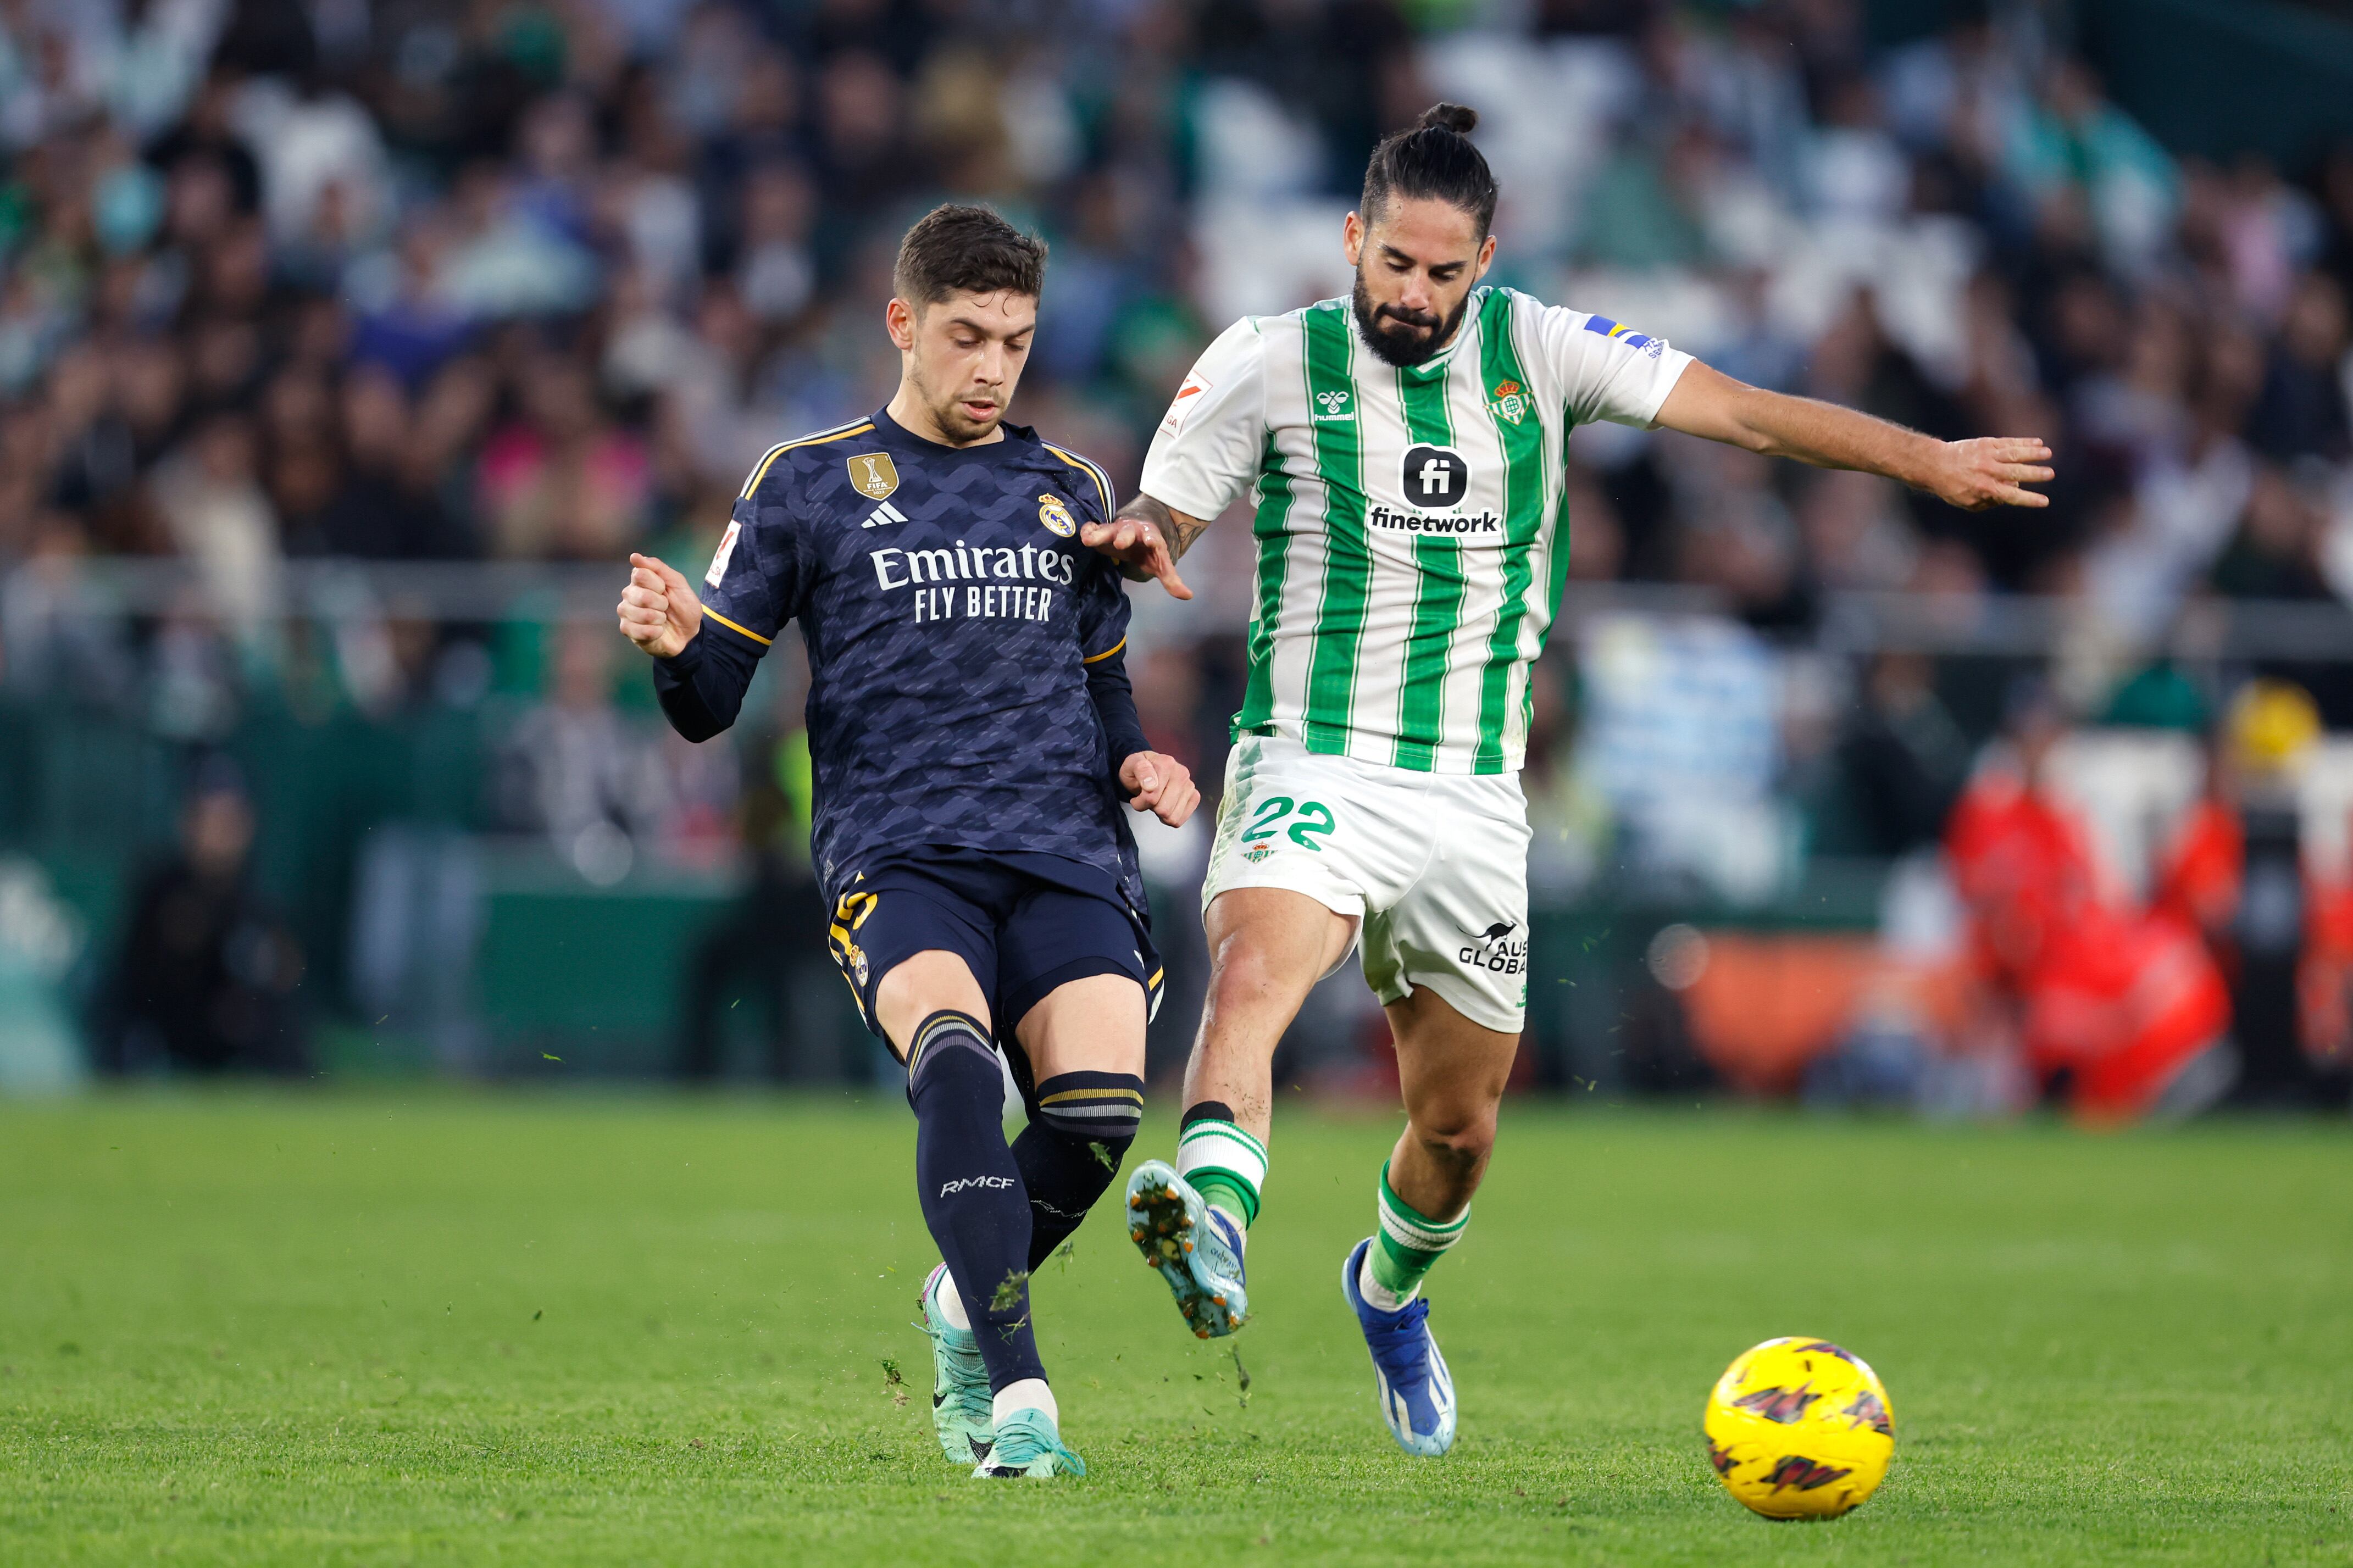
x=1411 y=535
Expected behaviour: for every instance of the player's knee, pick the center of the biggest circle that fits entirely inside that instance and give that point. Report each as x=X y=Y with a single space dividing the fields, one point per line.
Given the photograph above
x=1457 y=1137
x=919 y=987
x=1244 y=975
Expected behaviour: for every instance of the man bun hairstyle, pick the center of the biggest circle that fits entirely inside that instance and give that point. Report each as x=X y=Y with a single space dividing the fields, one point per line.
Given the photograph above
x=958 y=249
x=1433 y=159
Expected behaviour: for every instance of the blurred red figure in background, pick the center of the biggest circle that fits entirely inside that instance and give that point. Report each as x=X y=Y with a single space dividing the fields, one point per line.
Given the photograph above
x=2130 y=1007
x=2324 y=975
x=2204 y=870
x=2289 y=961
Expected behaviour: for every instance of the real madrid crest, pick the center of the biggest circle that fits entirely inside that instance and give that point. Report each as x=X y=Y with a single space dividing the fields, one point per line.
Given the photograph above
x=873 y=475
x=1056 y=517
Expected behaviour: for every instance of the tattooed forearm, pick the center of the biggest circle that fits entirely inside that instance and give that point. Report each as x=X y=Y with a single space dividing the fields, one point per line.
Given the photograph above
x=1177 y=528
x=1182 y=532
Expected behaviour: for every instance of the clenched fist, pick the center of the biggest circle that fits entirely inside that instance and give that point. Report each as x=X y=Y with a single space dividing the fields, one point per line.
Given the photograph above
x=1159 y=784
x=658 y=610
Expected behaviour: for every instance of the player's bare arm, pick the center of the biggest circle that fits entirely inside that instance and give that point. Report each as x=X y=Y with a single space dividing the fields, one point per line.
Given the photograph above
x=1971 y=475
x=659 y=609
x=1147 y=539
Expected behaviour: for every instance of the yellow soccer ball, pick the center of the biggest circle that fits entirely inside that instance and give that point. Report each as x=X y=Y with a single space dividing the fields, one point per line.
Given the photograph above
x=1798 y=1428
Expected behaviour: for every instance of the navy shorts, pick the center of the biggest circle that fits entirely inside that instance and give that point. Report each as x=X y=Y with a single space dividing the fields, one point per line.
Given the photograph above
x=1023 y=923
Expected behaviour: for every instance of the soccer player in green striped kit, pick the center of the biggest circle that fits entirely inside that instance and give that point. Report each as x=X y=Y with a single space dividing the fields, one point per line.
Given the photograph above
x=1403 y=449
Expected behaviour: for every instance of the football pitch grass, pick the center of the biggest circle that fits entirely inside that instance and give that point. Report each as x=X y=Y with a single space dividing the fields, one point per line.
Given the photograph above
x=426 y=1328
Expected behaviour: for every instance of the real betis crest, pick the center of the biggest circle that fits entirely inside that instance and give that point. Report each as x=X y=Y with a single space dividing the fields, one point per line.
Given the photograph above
x=1510 y=401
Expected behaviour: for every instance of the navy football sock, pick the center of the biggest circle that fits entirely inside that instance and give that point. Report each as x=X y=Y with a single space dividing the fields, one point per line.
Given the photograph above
x=1071 y=1149
x=971 y=1189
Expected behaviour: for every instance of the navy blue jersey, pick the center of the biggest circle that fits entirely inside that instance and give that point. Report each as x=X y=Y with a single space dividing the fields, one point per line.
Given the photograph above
x=952 y=622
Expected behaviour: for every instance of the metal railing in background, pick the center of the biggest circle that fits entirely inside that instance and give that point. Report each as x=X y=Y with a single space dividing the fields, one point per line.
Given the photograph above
x=447 y=590
x=465 y=591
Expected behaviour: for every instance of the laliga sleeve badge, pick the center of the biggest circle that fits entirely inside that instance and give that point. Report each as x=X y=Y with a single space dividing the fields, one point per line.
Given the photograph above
x=1056 y=516
x=725 y=553
x=873 y=475
x=1181 y=408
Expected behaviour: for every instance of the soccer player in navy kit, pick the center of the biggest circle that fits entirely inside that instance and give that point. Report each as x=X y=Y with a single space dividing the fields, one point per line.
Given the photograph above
x=974 y=735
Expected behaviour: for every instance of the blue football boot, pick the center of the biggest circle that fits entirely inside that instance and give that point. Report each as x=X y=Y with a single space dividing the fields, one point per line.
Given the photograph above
x=1197 y=1248
x=1417 y=1392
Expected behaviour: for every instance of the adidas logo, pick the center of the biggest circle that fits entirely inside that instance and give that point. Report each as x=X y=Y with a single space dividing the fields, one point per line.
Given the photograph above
x=883 y=516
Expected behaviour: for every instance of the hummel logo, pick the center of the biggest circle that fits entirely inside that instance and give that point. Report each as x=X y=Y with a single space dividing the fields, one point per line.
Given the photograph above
x=883 y=516
x=1335 y=405
x=992 y=1184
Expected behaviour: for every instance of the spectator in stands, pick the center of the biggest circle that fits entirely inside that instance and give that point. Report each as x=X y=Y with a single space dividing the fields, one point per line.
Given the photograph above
x=206 y=975
x=1901 y=762
x=575 y=770
x=771 y=941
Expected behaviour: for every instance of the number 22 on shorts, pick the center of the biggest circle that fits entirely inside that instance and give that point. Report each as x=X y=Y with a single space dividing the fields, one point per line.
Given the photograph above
x=1312 y=817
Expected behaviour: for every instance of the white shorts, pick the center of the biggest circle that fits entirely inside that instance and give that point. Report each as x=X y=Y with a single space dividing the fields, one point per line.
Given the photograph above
x=1434 y=866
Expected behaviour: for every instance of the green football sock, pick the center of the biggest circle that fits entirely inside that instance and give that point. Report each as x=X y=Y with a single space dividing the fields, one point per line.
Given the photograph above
x=1405 y=1248
x=1223 y=1190
x=1225 y=1164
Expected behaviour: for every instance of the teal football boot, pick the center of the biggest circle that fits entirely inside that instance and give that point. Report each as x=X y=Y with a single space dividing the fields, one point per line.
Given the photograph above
x=1028 y=1445
x=1197 y=1249
x=960 y=1399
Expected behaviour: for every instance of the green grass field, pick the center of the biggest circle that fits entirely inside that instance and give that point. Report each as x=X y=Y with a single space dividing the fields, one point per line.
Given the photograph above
x=579 y=1330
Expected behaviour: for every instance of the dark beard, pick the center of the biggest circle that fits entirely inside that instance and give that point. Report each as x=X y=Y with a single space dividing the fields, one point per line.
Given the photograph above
x=1392 y=339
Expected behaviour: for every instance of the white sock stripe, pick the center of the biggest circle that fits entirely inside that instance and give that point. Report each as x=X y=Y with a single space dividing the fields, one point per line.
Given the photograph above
x=1224 y=1146
x=1421 y=1238
x=1222 y=1129
x=1102 y=1111
x=955 y=1028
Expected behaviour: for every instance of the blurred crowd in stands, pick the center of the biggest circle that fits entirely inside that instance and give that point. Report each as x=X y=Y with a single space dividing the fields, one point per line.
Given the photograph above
x=535 y=281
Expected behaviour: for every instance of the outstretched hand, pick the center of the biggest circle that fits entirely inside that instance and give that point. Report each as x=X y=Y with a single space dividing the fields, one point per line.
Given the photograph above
x=1989 y=472
x=1159 y=784
x=659 y=609
x=1141 y=548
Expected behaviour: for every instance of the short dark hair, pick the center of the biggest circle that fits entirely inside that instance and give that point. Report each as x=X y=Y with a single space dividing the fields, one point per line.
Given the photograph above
x=957 y=249
x=1433 y=157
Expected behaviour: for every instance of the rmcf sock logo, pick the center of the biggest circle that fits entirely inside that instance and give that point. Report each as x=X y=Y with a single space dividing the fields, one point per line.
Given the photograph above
x=993 y=1184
